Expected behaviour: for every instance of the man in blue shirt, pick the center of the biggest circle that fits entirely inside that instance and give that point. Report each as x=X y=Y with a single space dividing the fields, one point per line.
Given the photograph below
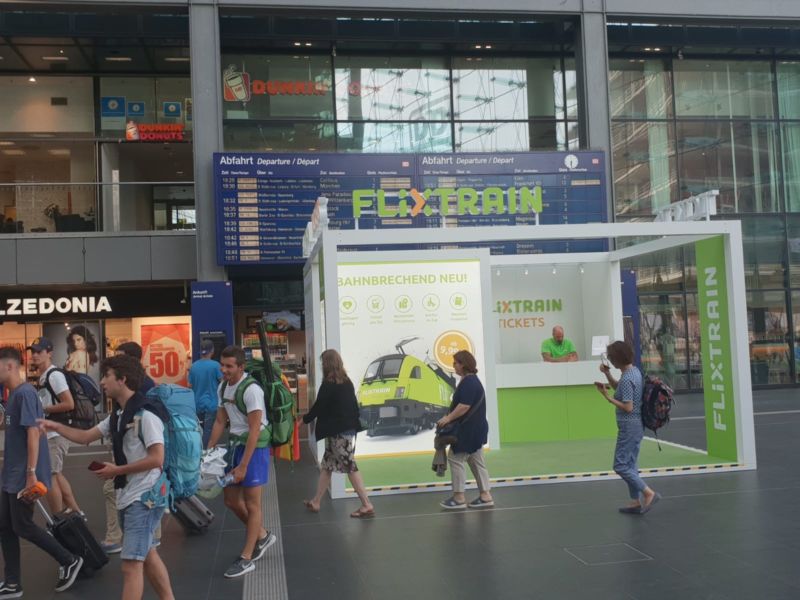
x=26 y=461
x=204 y=378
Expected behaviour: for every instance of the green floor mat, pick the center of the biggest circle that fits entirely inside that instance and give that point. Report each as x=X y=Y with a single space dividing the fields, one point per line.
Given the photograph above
x=531 y=459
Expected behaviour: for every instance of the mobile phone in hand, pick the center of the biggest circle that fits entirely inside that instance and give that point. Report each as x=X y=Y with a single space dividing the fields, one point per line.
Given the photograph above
x=95 y=466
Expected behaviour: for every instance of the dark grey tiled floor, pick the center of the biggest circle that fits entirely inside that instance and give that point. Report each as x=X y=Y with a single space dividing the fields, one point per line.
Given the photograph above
x=723 y=536
x=713 y=537
x=196 y=562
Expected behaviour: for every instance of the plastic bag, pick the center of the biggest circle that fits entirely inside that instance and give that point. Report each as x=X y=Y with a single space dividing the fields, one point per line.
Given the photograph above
x=212 y=468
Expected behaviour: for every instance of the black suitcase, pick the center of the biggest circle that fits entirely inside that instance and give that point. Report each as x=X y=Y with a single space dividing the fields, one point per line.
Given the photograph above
x=71 y=532
x=193 y=514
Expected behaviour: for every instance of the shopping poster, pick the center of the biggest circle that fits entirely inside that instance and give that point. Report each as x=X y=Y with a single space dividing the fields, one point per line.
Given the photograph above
x=165 y=352
x=401 y=323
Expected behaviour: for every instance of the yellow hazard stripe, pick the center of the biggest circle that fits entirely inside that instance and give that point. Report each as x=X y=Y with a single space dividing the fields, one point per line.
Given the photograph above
x=556 y=477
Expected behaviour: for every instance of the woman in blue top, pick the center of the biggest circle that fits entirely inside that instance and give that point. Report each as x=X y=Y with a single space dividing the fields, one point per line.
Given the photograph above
x=469 y=409
x=628 y=400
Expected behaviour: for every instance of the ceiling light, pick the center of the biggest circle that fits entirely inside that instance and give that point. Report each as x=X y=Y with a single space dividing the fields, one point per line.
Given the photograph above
x=55 y=58
x=32 y=79
x=648 y=49
x=298 y=43
x=59 y=151
x=61 y=52
x=6 y=143
x=178 y=172
x=488 y=47
x=478 y=46
x=656 y=49
x=119 y=58
x=554 y=270
x=14 y=152
x=176 y=59
x=308 y=43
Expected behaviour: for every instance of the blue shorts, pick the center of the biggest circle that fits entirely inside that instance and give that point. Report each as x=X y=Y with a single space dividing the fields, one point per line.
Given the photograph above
x=258 y=469
x=139 y=524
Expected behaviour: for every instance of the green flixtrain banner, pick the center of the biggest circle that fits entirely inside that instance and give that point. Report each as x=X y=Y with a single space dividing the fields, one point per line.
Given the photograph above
x=715 y=348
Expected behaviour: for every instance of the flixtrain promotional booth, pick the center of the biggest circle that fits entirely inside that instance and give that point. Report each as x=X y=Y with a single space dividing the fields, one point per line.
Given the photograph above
x=410 y=258
x=398 y=316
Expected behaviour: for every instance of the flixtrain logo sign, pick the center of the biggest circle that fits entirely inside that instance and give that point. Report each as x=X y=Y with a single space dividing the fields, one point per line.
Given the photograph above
x=715 y=348
x=449 y=201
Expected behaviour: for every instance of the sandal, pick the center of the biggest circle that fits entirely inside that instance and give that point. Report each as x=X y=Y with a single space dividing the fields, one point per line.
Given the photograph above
x=361 y=513
x=481 y=503
x=451 y=504
x=310 y=507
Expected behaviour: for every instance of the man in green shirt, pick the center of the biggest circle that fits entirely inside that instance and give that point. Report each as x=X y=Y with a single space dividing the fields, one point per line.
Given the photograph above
x=558 y=348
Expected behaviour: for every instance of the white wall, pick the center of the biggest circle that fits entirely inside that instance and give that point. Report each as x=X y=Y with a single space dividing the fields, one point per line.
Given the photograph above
x=25 y=107
x=585 y=308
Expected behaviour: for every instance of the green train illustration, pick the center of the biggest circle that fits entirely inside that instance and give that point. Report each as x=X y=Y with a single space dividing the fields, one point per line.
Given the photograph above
x=401 y=393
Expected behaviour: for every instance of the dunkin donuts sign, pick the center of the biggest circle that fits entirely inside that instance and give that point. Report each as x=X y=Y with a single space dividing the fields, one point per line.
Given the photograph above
x=239 y=87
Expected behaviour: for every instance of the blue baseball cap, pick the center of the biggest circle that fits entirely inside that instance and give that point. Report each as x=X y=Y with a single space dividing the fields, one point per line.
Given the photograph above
x=41 y=343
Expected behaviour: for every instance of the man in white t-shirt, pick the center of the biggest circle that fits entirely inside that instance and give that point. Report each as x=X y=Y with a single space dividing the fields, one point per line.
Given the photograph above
x=137 y=433
x=242 y=405
x=56 y=401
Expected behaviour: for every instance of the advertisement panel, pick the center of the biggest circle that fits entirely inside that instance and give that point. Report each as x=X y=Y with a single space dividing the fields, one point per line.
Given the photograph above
x=715 y=348
x=76 y=346
x=165 y=352
x=401 y=323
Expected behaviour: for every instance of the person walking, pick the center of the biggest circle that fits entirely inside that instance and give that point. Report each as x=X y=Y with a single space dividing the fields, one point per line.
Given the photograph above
x=627 y=399
x=26 y=461
x=56 y=400
x=468 y=409
x=337 y=422
x=112 y=542
x=136 y=429
x=242 y=405
x=204 y=377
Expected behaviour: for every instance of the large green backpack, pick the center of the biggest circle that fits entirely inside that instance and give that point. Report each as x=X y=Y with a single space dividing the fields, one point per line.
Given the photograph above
x=278 y=399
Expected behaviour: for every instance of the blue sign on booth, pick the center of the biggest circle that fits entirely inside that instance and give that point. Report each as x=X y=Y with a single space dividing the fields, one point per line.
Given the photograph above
x=212 y=315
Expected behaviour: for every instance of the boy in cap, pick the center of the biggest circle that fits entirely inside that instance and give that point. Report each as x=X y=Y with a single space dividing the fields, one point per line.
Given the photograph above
x=56 y=400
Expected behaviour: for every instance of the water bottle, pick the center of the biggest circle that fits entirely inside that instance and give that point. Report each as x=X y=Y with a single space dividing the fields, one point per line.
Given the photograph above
x=226 y=480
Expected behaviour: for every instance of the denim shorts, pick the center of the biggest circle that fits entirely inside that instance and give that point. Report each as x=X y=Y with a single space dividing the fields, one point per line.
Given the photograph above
x=138 y=524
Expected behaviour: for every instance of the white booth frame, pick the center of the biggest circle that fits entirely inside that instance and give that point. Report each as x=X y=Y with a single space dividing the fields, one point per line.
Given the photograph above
x=321 y=267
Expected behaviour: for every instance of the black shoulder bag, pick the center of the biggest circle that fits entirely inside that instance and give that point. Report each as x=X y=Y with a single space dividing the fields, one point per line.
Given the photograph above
x=448 y=435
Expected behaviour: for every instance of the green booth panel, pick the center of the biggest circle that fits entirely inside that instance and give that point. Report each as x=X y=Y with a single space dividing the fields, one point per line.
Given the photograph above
x=559 y=413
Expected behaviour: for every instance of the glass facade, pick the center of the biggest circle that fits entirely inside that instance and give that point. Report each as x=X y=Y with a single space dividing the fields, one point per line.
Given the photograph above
x=82 y=146
x=685 y=125
x=281 y=102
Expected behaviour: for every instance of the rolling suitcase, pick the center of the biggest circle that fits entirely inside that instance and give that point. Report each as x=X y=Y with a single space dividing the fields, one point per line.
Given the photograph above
x=71 y=532
x=193 y=514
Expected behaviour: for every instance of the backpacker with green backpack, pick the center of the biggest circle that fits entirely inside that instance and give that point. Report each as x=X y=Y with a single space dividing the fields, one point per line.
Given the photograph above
x=278 y=399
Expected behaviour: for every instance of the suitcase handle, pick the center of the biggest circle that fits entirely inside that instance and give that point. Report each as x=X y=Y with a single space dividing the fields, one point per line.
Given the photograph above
x=44 y=512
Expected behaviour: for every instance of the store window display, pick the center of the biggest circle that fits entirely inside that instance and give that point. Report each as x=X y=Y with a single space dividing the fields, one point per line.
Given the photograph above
x=82 y=348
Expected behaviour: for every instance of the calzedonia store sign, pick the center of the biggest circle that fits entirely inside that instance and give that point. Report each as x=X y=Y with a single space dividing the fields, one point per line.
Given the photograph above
x=114 y=303
x=264 y=201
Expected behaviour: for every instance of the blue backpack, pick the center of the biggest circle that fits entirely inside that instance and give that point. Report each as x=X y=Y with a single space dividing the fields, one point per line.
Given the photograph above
x=183 y=439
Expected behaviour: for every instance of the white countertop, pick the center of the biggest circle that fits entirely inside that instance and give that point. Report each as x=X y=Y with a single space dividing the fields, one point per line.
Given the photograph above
x=543 y=374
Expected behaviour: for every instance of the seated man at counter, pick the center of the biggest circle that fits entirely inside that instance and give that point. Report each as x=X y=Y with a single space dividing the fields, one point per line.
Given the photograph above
x=558 y=348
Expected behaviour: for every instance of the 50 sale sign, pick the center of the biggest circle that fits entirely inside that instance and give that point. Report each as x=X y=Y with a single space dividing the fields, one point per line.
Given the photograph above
x=166 y=351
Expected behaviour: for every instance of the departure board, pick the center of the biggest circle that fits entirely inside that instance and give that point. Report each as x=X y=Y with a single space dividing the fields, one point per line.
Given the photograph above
x=264 y=201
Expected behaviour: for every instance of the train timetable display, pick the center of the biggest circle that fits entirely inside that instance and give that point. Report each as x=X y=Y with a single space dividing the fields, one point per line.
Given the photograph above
x=264 y=201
